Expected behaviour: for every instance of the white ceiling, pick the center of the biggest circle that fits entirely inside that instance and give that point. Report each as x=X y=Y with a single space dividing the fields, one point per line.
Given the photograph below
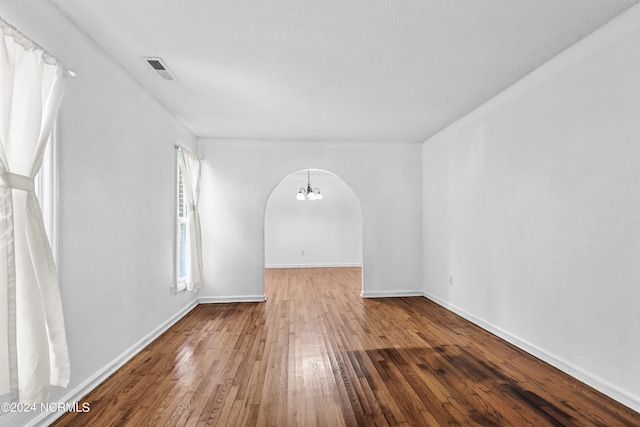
x=337 y=70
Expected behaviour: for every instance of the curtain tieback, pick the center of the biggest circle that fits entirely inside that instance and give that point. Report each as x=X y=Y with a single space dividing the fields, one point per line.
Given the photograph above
x=17 y=182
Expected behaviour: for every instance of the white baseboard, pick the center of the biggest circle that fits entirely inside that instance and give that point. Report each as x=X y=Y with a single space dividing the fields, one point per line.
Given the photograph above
x=75 y=395
x=238 y=298
x=602 y=386
x=391 y=294
x=311 y=265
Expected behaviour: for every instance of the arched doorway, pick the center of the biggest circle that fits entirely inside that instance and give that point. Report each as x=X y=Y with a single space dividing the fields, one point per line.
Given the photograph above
x=320 y=233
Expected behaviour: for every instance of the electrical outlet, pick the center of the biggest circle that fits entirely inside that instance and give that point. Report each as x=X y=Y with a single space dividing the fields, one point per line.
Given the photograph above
x=302 y=253
x=450 y=280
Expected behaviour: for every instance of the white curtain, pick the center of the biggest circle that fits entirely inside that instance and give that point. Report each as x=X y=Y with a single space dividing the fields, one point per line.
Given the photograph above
x=33 y=345
x=190 y=166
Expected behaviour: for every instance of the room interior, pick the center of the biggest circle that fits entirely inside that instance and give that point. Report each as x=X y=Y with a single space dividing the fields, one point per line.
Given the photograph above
x=327 y=233
x=495 y=166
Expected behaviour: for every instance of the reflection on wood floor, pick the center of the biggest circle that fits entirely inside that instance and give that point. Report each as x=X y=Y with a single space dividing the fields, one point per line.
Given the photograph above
x=316 y=354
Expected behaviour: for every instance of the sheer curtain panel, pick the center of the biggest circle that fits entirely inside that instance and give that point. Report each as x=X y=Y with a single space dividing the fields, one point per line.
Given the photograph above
x=190 y=165
x=33 y=345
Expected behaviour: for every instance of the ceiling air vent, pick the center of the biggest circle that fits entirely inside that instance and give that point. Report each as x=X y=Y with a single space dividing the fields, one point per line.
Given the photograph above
x=160 y=67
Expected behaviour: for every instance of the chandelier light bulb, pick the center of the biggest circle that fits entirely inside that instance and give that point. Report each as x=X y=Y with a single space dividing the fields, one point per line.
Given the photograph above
x=309 y=193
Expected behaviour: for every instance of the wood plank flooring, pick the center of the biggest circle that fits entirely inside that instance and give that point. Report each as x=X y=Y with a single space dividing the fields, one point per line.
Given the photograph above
x=316 y=354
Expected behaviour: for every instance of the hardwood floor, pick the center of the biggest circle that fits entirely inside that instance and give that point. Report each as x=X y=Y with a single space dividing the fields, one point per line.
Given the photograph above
x=316 y=354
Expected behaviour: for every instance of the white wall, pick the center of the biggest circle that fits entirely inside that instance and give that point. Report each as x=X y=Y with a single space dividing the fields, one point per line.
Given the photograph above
x=116 y=202
x=239 y=176
x=320 y=233
x=532 y=205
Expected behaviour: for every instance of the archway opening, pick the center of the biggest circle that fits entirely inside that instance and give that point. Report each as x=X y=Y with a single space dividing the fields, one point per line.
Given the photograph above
x=325 y=233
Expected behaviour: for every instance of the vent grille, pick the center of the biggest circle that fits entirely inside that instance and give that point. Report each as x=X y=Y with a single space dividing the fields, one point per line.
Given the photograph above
x=157 y=65
x=160 y=68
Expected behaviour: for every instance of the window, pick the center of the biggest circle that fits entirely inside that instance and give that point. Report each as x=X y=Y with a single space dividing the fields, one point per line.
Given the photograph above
x=181 y=238
x=188 y=237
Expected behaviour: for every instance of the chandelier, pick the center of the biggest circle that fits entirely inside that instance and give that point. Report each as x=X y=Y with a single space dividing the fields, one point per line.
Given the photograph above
x=308 y=193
